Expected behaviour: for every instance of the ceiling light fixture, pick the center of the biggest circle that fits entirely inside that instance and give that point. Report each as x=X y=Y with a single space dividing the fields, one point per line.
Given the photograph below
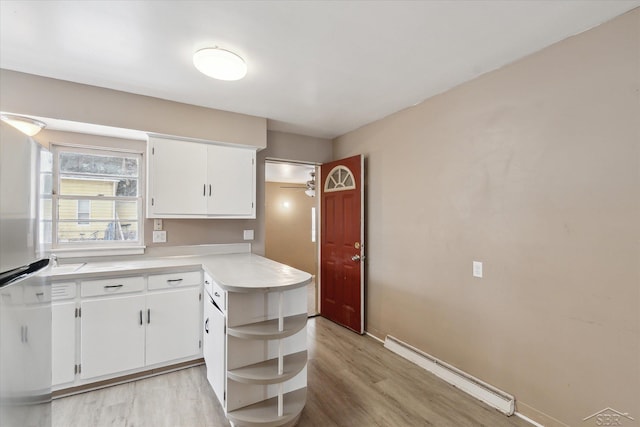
x=220 y=64
x=26 y=125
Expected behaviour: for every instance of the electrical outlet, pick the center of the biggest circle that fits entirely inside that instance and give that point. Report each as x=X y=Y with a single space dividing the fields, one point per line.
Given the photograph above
x=477 y=269
x=157 y=224
x=159 y=237
x=248 y=234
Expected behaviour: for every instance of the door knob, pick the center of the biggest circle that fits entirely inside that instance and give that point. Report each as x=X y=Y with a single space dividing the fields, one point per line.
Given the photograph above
x=355 y=258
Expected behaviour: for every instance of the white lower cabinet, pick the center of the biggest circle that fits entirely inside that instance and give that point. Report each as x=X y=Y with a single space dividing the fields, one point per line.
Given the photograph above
x=123 y=325
x=173 y=330
x=214 y=346
x=112 y=335
x=63 y=342
x=25 y=344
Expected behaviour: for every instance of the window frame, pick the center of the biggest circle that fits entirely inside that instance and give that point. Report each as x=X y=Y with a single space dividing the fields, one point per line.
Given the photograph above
x=96 y=247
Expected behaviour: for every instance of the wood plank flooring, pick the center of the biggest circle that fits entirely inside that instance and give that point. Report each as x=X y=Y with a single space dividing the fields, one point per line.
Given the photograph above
x=353 y=381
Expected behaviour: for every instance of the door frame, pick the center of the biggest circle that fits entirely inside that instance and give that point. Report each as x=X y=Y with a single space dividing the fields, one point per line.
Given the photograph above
x=317 y=166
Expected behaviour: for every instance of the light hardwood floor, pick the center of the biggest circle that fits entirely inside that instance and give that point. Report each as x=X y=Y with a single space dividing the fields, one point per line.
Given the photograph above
x=353 y=381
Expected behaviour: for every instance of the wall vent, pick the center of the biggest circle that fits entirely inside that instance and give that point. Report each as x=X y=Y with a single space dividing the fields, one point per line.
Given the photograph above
x=488 y=394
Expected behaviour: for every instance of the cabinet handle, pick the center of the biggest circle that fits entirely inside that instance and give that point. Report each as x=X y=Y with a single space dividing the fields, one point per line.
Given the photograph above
x=148 y=315
x=204 y=190
x=206 y=325
x=140 y=317
x=112 y=286
x=209 y=190
x=39 y=294
x=26 y=334
x=174 y=280
x=216 y=294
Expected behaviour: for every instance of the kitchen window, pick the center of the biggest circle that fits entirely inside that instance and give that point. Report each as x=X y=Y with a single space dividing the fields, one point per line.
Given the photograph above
x=97 y=202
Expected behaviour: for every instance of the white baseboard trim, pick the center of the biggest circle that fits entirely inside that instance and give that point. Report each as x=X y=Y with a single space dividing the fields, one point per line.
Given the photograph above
x=488 y=394
x=527 y=419
x=374 y=337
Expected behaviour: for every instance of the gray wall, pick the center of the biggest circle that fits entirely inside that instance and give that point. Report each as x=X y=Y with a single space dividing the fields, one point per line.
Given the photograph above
x=534 y=170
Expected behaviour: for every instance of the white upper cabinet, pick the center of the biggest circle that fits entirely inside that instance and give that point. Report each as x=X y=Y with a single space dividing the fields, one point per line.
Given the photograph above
x=198 y=180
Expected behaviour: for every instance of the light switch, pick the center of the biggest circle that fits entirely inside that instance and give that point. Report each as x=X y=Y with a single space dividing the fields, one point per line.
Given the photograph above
x=477 y=269
x=157 y=224
x=159 y=237
x=248 y=234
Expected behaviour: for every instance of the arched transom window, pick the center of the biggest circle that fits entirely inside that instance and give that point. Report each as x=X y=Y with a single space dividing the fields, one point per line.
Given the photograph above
x=339 y=179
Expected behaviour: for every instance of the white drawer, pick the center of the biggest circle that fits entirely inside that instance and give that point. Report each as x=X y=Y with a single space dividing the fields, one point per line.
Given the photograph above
x=63 y=290
x=111 y=286
x=218 y=295
x=11 y=296
x=174 y=280
x=37 y=294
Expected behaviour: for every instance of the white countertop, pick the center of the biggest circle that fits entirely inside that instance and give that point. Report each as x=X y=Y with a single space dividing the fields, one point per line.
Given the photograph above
x=235 y=272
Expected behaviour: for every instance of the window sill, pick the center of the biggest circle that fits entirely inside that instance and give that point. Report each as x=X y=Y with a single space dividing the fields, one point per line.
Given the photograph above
x=98 y=252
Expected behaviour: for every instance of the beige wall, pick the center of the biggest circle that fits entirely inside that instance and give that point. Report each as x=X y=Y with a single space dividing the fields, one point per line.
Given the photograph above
x=290 y=146
x=58 y=99
x=288 y=228
x=534 y=170
x=286 y=146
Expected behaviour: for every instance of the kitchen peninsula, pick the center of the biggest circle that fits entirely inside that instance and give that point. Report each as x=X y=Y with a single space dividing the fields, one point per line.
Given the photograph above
x=124 y=318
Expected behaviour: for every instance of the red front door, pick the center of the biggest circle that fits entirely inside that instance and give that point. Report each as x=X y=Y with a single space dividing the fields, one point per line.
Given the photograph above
x=342 y=242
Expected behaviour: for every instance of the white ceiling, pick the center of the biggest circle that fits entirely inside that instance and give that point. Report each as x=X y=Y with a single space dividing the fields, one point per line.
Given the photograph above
x=319 y=68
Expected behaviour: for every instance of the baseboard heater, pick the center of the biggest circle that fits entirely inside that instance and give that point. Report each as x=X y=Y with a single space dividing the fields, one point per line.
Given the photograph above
x=488 y=394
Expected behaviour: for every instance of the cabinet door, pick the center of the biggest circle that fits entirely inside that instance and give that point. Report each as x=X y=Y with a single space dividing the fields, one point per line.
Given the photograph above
x=12 y=361
x=177 y=178
x=37 y=346
x=173 y=325
x=63 y=342
x=232 y=178
x=215 y=361
x=112 y=335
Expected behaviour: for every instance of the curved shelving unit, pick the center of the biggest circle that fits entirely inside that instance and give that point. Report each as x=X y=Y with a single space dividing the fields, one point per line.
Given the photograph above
x=267 y=372
x=264 y=414
x=268 y=329
x=262 y=371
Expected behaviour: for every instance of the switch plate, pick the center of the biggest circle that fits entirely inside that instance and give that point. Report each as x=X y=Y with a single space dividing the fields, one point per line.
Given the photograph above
x=248 y=234
x=477 y=269
x=159 y=237
x=157 y=224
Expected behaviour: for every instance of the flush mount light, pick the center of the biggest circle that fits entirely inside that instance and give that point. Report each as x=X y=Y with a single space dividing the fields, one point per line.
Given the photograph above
x=26 y=125
x=219 y=63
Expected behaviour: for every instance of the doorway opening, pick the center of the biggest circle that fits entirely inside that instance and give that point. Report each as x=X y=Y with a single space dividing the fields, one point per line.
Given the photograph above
x=291 y=219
